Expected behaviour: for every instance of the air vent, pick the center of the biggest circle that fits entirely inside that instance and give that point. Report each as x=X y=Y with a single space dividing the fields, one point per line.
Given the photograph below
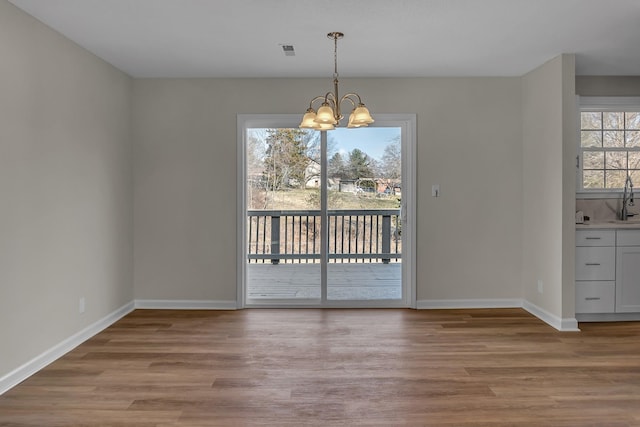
x=288 y=50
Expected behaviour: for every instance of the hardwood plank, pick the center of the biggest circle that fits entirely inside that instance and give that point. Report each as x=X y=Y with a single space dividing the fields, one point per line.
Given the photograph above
x=336 y=367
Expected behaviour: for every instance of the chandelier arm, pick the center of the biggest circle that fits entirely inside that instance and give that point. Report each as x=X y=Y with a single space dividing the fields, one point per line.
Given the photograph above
x=349 y=97
x=317 y=98
x=330 y=98
x=337 y=96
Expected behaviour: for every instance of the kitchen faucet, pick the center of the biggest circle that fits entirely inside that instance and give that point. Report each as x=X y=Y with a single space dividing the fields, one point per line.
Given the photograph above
x=627 y=199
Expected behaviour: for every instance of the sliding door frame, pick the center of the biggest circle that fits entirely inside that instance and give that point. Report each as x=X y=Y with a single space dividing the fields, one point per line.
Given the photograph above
x=407 y=123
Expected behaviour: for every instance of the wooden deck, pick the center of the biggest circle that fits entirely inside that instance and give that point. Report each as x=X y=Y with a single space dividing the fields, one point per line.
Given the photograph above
x=346 y=281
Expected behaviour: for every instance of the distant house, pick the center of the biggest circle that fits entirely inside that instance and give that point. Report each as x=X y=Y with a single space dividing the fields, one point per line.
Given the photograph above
x=312 y=175
x=388 y=186
x=347 y=186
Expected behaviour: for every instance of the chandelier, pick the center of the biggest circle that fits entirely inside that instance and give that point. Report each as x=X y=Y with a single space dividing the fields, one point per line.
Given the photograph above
x=329 y=115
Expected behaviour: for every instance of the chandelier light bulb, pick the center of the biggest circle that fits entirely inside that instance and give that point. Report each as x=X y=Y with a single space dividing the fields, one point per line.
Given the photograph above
x=324 y=126
x=308 y=120
x=361 y=116
x=326 y=115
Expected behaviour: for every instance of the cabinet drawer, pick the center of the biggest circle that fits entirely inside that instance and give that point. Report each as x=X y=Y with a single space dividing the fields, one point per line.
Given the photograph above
x=595 y=237
x=628 y=237
x=595 y=297
x=596 y=263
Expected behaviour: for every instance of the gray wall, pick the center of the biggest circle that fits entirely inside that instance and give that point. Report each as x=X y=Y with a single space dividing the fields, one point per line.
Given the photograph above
x=548 y=118
x=66 y=214
x=469 y=240
x=608 y=85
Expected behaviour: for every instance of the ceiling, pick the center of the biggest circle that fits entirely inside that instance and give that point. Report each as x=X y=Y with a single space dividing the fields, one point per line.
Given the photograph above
x=383 y=38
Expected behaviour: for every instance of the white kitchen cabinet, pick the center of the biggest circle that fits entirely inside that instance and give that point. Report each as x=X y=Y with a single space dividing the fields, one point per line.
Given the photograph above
x=628 y=271
x=607 y=274
x=595 y=271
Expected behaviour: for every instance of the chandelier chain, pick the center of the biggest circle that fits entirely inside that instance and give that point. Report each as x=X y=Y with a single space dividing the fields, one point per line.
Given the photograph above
x=335 y=56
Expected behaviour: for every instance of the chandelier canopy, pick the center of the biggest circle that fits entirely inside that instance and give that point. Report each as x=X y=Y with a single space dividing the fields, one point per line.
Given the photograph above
x=329 y=115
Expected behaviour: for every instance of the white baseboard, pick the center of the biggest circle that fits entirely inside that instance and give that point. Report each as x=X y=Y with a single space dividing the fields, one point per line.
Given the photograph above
x=23 y=372
x=468 y=303
x=560 y=324
x=160 y=304
x=564 y=325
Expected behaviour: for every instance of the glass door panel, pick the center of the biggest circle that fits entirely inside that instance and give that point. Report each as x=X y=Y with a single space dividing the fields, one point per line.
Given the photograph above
x=284 y=222
x=364 y=191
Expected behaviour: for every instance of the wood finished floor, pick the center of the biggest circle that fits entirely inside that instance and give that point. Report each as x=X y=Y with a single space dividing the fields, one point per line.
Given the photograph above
x=332 y=367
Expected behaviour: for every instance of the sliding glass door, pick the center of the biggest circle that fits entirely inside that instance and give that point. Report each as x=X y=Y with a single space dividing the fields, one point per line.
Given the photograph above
x=364 y=199
x=324 y=214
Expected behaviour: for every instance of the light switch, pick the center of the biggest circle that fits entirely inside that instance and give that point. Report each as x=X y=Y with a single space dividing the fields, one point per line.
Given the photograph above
x=435 y=190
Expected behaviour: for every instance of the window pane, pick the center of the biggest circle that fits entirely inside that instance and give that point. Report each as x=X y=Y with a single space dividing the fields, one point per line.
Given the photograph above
x=634 y=160
x=593 y=179
x=613 y=139
x=632 y=138
x=616 y=160
x=615 y=179
x=613 y=120
x=609 y=148
x=591 y=139
x=593 y=160
x=632 y=120
x=591 y=120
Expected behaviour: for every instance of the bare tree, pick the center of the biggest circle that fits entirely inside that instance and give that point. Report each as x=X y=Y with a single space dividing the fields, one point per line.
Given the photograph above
x=391 y=162
x=286 y=158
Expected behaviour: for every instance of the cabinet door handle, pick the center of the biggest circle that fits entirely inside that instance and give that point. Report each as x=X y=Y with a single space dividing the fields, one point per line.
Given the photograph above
x=592 y=263
x=592 y=299
x=593 y=238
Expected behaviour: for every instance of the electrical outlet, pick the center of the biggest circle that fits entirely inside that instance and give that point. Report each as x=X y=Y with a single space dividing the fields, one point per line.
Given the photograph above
x=540 y=287
x=81 y=305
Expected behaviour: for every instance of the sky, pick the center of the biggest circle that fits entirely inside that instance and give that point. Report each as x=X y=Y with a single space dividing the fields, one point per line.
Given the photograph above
x=370 y=140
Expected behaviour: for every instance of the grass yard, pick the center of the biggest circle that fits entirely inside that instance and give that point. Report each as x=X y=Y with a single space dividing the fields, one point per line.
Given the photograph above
x=299 y=199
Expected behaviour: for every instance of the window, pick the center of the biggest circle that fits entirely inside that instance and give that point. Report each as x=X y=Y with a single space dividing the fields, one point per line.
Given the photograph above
x=609 y=146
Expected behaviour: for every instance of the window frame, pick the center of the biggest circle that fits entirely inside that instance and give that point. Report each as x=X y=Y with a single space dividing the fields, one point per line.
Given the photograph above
x=600 y=104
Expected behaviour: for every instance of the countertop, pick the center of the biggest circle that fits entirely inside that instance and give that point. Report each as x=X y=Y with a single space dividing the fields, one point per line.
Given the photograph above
x=612 y=224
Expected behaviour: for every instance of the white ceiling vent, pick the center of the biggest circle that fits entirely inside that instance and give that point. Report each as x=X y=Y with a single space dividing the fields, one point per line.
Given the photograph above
x=288 y=50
